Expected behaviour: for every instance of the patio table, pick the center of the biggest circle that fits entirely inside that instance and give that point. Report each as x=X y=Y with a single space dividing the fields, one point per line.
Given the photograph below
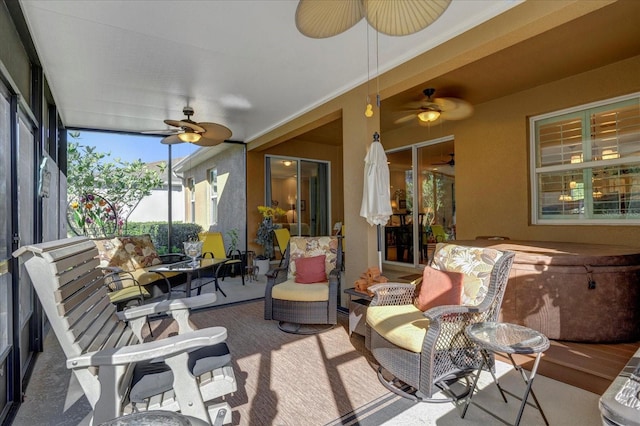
x=508 y=339
x=189 y=269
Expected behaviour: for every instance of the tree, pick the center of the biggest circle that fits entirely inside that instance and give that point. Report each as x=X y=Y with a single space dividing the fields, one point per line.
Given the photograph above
x=102 y=193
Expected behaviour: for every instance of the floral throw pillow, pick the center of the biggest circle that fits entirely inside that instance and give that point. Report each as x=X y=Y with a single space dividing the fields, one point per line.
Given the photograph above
x=476 y=263
x=128 y=253
x=310 y=247
x=141 y=250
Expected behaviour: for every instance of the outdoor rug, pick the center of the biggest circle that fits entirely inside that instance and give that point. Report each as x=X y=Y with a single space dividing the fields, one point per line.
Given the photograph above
x=324 y=379
x=288 y=379
x=330 y=379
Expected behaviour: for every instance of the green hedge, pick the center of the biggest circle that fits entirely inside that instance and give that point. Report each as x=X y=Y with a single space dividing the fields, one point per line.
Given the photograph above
x=181 y=232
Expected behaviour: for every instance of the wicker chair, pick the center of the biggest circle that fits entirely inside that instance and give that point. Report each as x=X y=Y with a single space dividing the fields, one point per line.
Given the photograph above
x=305 y=308
x=428 y=351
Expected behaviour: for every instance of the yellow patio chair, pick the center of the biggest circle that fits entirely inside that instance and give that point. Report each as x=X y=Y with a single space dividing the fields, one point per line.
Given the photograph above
x=438 y=233
x=213 y=246
x=281 y=237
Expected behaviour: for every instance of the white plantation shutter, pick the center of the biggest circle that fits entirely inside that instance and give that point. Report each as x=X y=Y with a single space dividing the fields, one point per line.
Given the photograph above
x=586 y=164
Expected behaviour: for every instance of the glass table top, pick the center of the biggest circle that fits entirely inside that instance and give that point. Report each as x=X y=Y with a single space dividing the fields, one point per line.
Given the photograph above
x=507 y=338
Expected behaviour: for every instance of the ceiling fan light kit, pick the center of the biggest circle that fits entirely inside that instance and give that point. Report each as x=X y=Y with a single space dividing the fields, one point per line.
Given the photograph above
x=429 y=116
x=201 y=134
x=189 y=136
x=434 y=109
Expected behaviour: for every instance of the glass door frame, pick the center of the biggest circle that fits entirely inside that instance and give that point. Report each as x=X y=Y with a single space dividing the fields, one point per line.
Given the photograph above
x=415 y=196
x=298 y=201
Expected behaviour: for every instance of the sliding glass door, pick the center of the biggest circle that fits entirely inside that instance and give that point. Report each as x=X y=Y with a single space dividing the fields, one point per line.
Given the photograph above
x=301 y=188
x=422 y=179
x=6 y=308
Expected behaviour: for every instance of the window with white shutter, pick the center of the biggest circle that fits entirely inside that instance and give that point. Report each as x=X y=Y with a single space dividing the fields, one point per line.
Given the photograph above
x=586 y=164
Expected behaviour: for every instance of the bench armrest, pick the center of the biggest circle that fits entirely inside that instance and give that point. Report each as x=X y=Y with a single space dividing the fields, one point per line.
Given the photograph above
x=195 y=302
x=179 y=309
x=145 y=351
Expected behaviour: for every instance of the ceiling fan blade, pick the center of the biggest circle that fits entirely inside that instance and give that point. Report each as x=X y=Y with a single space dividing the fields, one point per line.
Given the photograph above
x=454 y=108
x=171 y=140
x=320 y=19
x=204 y=141
x=160 y=132
x=405 y=119
x=215 y=131
x=414 y=105
x=449 y=163
x=181 y=123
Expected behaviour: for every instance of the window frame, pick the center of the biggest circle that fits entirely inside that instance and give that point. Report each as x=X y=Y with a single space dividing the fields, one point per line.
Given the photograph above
x=585 y=167
x=191 y=185
x=212 y=175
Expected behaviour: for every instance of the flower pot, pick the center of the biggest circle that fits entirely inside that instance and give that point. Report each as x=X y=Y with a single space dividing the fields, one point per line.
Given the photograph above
x=262 y=265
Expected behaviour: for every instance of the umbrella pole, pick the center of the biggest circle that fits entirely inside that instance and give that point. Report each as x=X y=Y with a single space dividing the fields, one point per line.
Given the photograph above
x=379 y=250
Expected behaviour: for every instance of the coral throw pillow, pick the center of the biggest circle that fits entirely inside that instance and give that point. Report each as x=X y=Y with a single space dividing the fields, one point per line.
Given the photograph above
x=310 y=270
x=439 y=288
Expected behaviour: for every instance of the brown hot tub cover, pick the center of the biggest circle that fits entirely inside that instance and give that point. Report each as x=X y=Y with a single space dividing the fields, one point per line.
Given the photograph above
x=572 y=291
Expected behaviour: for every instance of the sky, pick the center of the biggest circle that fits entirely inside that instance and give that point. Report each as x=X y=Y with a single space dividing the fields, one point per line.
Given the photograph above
x=133 y=147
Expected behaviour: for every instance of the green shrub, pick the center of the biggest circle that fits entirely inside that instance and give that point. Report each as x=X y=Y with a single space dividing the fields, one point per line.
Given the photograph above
x=180 y=232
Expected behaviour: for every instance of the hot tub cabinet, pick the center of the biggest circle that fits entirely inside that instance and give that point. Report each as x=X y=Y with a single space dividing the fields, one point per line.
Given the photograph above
x=571 y=291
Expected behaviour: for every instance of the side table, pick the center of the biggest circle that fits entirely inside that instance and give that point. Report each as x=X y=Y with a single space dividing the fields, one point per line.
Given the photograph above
x=508 y=339
x=358 y=303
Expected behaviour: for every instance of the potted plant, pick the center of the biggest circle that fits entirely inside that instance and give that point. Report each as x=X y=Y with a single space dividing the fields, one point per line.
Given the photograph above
x=264 y=236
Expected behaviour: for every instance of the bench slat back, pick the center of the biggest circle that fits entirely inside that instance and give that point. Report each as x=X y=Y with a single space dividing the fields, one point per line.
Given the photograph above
x=71 y=288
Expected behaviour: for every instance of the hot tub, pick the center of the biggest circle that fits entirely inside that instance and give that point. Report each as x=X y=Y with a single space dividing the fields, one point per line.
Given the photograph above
x=571 y=291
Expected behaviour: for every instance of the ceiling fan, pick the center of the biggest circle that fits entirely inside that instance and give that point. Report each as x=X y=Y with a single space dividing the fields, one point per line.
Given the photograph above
x=451 y=162
x=432 y=109
x=187 y=130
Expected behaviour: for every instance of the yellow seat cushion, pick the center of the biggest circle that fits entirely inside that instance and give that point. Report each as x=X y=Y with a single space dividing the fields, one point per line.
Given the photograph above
x=127 y=293
x=404 y=325
x=290 y=290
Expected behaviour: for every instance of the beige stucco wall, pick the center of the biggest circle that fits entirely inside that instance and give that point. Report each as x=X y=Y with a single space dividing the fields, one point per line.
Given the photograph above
x=492 y=177
x=294 y=147
x=492 y=157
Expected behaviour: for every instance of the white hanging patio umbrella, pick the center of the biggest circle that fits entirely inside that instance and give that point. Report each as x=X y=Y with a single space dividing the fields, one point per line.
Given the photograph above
x=376 y=198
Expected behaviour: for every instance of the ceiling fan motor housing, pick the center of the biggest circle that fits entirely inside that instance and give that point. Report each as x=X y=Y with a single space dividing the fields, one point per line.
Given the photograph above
x=188 y=111
x=429 y=92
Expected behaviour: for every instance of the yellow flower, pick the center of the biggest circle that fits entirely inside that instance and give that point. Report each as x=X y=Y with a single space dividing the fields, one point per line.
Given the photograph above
x=270 y=211
x=75 y=205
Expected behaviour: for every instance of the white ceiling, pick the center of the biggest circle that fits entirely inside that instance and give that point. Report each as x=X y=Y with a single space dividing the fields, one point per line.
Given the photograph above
x=128 y=65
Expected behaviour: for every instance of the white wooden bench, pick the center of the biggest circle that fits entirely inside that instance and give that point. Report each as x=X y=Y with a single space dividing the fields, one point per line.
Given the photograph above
x=189 y=373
